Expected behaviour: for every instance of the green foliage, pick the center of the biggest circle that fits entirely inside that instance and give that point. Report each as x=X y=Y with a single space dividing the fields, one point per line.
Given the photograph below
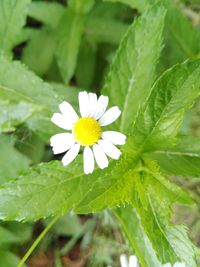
x=153 y=197
x=133 y=70
x=158 y=121
x=26 y=98
x=48 y=13
x=141 y=5
x=69 y=47
x=64 y=188
x=181 y=160
x=182 y=42
x=69 y=39
x=8 y=259
x=81 y=7
x=12 y=19
x=42 y=44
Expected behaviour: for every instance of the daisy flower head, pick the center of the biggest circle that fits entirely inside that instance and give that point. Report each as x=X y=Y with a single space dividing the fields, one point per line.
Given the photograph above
x=86 y=132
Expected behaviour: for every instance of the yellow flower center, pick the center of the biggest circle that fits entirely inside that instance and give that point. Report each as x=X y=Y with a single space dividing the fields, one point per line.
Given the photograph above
x=87 y=131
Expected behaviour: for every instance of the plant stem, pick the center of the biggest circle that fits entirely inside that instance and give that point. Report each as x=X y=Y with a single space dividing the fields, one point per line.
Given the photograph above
x=37 y=241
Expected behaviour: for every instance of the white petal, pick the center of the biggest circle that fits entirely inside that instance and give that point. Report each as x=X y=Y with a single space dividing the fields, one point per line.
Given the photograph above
x=92 y=104
x=68 y=111
x=84 y=104
x=88 y=158
x=110 y=150
x=61 y=142
x=59 y=120
x=114 y=137
x=100 y=157
x=123 y=260
x=133 y=261
x=110 y=116
x=102 y=104
x=71 y=154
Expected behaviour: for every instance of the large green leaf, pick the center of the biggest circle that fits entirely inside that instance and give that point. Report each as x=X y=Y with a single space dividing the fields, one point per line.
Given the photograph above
x=12 y=19
x=50 y=189
x=131 y=225
x=158 y=121
x=183 y=159
x=133 y=69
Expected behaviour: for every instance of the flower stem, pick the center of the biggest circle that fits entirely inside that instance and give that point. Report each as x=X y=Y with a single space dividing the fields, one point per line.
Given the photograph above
x=37 y=241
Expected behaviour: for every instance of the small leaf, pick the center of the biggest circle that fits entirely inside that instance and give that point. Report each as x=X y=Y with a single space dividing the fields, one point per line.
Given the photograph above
x=104 y=30
x=12 y=19
x=70 y=31
x=133 y=69
x=39 y=52
x=81 y=7
x=48 y=13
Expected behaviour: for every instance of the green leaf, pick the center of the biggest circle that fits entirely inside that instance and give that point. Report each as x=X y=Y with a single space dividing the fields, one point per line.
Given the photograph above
x=153 y=198
x=48 y=13
x=25 y=98
x=12 y=19
x=131 y=225
x=158 y=121
x=39 y=52
x=85 y=71
x=69 y=31
x=81 y=7
x=7 y=237
x=106 y=30
x=181 y=160
x=8 y=259
x=141 y=5
x=133 y=69
x=185 y=38
x=50 y=189
x=10 y=156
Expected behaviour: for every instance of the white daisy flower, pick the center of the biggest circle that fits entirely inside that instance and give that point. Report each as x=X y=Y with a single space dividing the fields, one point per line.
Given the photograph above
x=87 y=131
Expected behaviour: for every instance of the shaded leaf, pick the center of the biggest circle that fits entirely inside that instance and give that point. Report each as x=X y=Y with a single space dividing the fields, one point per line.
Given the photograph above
x=12 y=19
x=69 y=33
x=10 y=156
